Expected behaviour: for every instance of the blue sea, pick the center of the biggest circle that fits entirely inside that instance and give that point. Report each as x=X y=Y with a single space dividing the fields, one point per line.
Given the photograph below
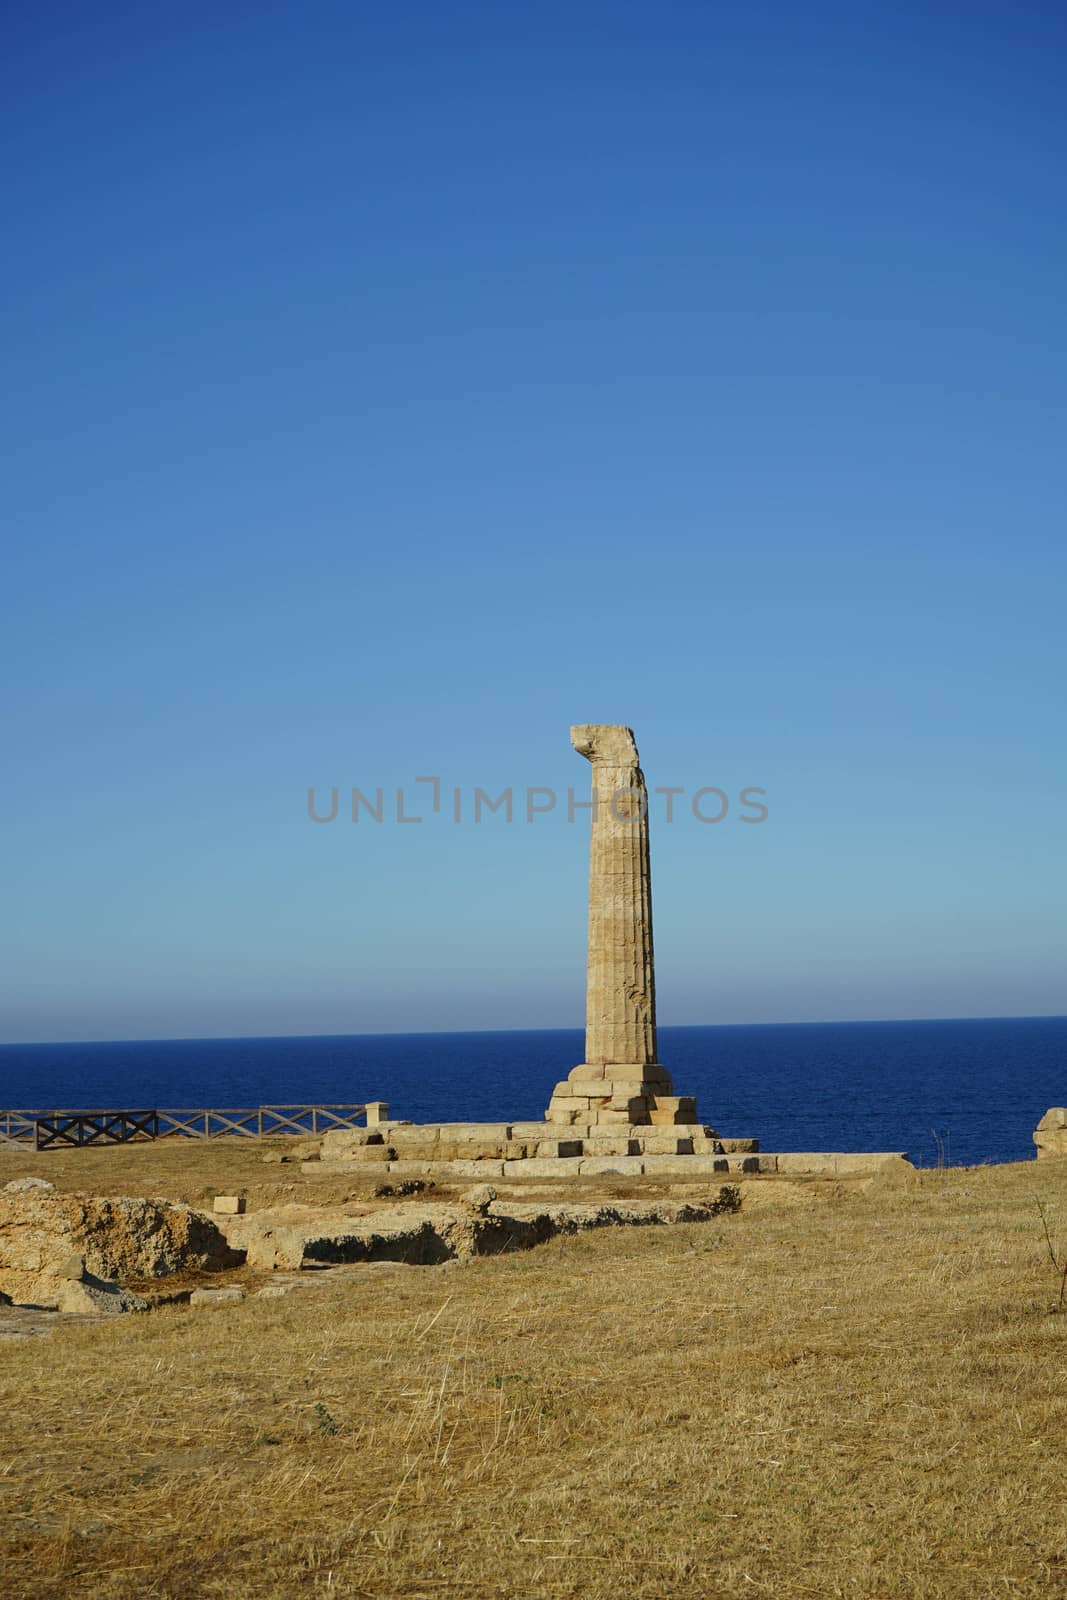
x=962 y=1091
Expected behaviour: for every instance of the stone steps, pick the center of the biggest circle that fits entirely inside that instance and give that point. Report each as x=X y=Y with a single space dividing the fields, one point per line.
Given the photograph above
x=821 y=1163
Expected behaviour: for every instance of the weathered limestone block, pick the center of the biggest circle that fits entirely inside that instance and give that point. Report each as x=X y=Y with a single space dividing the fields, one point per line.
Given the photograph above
x=115 y=1238
x=564 y=1099
x=592 y=1077
x=684 y=1166
x=1050 y=1135
x=473 y=1169
x=92 y=1295
x=415 y=1133
x=671 y=1110
x=558 y=1149
x=205 y=1299
x=623 y=1166
x=832 y=1163
x=656 y=1143
x=494 y=1133
x=341 y=1142
x=543 y=1167
x=419 y=1235
x=734 y=1147
x=479 y=1199
x=370 y=1155
x=634 y=1107
x=418 y=1150
x=231 y=1205
x=602 y=1142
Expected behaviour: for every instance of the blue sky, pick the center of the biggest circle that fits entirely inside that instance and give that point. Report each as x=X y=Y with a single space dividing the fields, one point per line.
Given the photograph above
x=390 y=387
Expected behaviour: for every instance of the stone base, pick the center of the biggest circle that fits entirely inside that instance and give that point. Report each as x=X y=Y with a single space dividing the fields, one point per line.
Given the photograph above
x=619 y=1094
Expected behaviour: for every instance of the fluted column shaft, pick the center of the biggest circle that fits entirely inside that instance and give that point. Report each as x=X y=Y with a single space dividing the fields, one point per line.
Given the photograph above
x=620 y=977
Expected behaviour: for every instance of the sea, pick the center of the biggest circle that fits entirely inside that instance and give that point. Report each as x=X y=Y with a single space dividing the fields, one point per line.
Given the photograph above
x=944 y=1092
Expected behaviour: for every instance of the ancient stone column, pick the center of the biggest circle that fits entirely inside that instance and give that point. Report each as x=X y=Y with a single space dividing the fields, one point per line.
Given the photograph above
x=620 y=1079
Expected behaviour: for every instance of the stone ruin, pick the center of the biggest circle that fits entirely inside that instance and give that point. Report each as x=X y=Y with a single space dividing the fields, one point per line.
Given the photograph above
x=620 y=1082
x=1050 y=1135
x=616 y=1112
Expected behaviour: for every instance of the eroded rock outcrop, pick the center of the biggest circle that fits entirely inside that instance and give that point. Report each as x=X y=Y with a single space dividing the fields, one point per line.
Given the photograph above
x=1050 y=1135
x=288 y=1237
x=70 y=1250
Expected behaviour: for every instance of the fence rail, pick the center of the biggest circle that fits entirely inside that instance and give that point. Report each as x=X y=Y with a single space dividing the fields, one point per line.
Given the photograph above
x=66 y=1129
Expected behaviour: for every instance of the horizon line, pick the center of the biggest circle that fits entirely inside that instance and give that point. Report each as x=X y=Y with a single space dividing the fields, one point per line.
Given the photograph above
x=418 y=1033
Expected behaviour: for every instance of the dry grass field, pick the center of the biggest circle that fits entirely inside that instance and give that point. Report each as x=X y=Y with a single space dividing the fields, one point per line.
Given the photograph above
x=846 y=1390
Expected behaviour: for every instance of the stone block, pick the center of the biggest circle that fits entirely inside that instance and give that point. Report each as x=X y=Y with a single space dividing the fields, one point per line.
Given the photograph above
x=370 y=1155
x=600 y=1166
x=574 y=1105
x=685 y=1166
x=531 y=1130
x=411 y=1169
x=1050 y=1135
x=587 y=1072
x=92 y=1295
x=472 y=1169
x=543 y=1167
x=377 y=1112
x=415 y=1133
x=614 y=1119
x=833 y=1163
x=605 y=1143
x=231 y=1205
x=739 y=1147
x=558 y=1149
x=650 y=1072
x=216 y=1297
x=869 y=1161
x=670 y=1110
x=479 y=1199
x=470 y=1150
x=341 y=1141
x=519 y=1149
x=657 y=1143
x=425 y=1150
x=635 y=1106
x=476 y=1132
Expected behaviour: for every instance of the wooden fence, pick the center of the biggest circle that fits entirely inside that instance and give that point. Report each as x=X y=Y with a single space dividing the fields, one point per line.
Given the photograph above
x=48 y=1130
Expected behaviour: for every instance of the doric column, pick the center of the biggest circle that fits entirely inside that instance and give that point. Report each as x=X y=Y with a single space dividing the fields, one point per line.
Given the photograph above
x=620 y=1080
x=620 y=1020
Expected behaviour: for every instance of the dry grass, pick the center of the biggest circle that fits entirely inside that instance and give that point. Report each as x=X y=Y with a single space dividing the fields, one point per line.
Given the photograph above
x=862 y=1395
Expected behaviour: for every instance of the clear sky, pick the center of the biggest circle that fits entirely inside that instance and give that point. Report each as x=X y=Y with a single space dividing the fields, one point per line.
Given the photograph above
x=390 y=386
